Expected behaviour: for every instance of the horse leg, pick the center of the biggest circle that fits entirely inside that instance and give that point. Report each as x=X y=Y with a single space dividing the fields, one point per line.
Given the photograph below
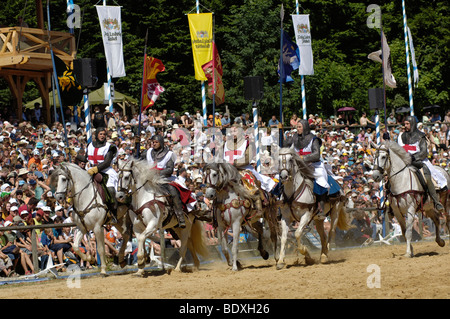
x=323 y=241
x=408 y=233
x=258 y=228
x=298 y=236
x=100 y=238
x=234 y=249
x=222 y=237
x=184 y=238
x=271 y=217
x=334 y=217
x=434 y=216
x=76 y=245
x=151 y=227
x=284 y=233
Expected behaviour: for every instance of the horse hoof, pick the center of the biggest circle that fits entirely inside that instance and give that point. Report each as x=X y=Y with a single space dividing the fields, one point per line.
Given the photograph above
x=139 y=273
x=309 y=261
x=440 y=242
x=280 y=266
x=265 y=255
x=122 y=264
x=324 y=259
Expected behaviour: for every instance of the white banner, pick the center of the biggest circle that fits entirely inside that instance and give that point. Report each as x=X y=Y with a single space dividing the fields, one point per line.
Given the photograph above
x=303 y=40
x=111 y=26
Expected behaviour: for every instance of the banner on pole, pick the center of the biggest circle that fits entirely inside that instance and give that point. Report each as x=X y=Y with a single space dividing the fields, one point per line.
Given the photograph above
x=214 y=71
x=384 y=56
x=303 y=39
x=152 y=89
x=200 y=27
x=111 y=27
x=290 y=61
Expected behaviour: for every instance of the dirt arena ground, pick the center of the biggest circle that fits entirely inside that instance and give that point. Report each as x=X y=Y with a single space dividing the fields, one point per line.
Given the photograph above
x=376 y=272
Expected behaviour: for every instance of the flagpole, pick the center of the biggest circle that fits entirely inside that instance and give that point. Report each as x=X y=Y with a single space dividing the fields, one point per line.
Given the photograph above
x=281 y=74
x=382 y=199
x=302 y=77
x=408 y=68
x=138 y=140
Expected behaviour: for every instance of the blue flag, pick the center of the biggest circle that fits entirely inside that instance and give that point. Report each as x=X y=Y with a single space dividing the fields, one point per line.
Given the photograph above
x=291 y=59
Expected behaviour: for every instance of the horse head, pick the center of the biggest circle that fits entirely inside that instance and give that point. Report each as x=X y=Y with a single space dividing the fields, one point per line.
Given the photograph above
x=126 y=179
x=63 y=180
x=214 y=174
x=381 y=161
x=286 y=164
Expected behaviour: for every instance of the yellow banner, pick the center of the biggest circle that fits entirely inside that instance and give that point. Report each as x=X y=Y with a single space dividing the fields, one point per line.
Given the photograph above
x=200 y=26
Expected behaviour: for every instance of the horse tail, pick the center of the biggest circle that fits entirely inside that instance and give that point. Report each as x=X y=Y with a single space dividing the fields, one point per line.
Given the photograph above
x=198 y=238
x=343 y=222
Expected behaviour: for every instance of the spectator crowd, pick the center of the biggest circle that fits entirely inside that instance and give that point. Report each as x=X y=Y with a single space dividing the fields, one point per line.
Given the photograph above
x=30 y=150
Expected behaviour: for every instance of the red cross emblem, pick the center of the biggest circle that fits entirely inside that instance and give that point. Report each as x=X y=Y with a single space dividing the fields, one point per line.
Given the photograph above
x=96 y=158
x=408 y=147
x=231 y=154
x=301 y=152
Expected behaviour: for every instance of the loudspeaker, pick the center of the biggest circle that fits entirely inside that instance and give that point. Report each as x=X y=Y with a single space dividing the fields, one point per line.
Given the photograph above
x=85 y=71
x=376 y=98
x=253 y=87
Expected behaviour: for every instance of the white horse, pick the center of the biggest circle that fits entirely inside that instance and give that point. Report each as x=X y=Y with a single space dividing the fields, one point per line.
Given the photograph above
x=298 y=203
x=233 y=209
x=406 y=193
x=72 y=181
x=149 y=211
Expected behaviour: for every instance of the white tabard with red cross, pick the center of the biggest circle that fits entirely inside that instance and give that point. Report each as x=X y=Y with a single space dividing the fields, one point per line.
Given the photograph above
x=97 y=156
x=306 y=150
x=410 y=148
x=231 y=155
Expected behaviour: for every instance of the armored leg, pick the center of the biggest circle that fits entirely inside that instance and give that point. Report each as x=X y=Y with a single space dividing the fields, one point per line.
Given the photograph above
x=177 y=204
x=113 y=208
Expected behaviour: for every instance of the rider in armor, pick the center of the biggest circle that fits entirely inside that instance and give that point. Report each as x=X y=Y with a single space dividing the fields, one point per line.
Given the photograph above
x=100 y=155
x=307 y=145
x=415 y=143
x=162 y=158
x=239 y=152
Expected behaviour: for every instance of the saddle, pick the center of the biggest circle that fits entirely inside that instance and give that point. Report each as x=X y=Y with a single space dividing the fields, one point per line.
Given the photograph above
x=100 y=181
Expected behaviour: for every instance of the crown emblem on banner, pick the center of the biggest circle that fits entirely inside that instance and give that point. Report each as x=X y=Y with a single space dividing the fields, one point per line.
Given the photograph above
x=202 y=34
x=303 y=28
x=111 y=24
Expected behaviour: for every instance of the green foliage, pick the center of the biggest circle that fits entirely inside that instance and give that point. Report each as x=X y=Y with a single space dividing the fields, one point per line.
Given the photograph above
x=247 y=34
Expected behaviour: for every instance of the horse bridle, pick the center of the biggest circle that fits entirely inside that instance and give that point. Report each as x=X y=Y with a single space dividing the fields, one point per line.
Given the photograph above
x=377 y=166
x=129 y=191
x=284 y=166
x=208 y=180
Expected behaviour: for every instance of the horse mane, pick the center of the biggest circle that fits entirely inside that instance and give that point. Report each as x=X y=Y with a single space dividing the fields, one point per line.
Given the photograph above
x=397 y=149
x=53 y=177
x=146 y=174
x=306 y=170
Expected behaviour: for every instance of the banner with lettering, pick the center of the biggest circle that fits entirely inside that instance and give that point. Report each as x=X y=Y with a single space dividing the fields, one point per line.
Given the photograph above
x=200 y=27
x=111 y=27
x=303 y=40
